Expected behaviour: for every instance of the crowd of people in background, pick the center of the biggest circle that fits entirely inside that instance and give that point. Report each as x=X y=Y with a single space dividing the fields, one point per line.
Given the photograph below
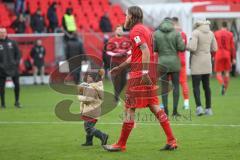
x=38 y=23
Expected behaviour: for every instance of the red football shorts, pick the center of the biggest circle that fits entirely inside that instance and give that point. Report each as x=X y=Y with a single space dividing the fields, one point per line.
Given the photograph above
x=223 y=64
x=140 y=96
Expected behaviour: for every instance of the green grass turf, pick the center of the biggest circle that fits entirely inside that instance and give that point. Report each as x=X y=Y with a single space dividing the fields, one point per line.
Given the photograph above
x=60 y=141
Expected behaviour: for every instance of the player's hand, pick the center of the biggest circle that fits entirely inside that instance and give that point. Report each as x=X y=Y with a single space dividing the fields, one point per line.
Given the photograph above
x=234 y=61
x=115 y=70
x=146 y=80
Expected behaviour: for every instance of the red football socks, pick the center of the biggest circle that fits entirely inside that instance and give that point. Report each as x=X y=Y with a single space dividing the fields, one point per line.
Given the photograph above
x=185 y=90
x=126 y=130
x=226 y=82
x=220 y=79
x=163 y=119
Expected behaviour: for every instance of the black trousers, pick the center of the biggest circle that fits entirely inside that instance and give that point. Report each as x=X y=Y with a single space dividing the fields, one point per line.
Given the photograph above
x=92 y=131
x=119 y=81
x=165 y=90
x=196 y=79
x=15 y=80
x=89 y=127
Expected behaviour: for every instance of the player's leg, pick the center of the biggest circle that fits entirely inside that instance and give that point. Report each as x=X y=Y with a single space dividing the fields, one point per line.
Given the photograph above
x=207 y=92
x=175 y=82
x=116 y=80
x=15 y=80
x=220 y=81
x=226 y=78
x=220 y=65
x=2 y=91
x=184 y=85
x=227 y=74
x=219 y=78
x=127 y=127
x=196 y=79
x=164 y=122
x=35 y=72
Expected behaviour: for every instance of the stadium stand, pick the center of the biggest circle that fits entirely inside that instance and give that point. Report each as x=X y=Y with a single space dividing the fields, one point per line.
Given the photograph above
x=6 y=16
x=87 y=12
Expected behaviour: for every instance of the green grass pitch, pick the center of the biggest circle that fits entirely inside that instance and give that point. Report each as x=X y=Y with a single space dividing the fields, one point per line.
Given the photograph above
x=35 y=133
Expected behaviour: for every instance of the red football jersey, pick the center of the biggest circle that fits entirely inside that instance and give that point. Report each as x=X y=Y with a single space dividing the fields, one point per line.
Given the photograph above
x=121 y=46
x=139 y=35
x=226 y=47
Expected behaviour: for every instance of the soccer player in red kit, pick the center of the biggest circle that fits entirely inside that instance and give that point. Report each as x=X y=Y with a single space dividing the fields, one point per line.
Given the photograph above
x=118 y=47
x=183 y=71
x=225 y=56
x=142 y=77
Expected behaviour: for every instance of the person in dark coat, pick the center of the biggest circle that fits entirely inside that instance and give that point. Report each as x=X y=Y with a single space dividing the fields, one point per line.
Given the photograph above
x=74 y=47
x=38 y=53
x=37 y=22
x=52 y=17
x=9 y=63
x=105 y=24
x=19 y=25
x=168 y=42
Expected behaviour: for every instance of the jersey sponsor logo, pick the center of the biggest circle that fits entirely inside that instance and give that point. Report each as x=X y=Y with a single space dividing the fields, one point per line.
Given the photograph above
x=137 y=39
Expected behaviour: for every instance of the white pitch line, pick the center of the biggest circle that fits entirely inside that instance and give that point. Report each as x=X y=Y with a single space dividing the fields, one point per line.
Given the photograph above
x=115 y=123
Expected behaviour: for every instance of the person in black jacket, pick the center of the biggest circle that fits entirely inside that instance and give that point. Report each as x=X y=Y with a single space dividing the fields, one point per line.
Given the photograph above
x=37 y=22
x=9 y=62
x=38 y=53
x=52 y=17
x=74 y=47
x=105 y=24
x=19 y=25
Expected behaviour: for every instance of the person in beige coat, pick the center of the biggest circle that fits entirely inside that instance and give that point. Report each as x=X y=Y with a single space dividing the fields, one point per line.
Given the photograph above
x=91 y=98
x=201 y=45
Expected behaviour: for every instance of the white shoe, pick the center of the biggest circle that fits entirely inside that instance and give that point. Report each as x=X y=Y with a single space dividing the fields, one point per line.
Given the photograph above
x=199 y=111
x=208 y=112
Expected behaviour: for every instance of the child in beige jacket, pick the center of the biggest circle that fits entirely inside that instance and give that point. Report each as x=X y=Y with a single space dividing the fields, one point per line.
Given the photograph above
x=91 y=97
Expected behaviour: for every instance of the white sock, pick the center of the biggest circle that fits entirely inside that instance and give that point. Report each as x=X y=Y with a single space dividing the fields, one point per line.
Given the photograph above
x=186 y=103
